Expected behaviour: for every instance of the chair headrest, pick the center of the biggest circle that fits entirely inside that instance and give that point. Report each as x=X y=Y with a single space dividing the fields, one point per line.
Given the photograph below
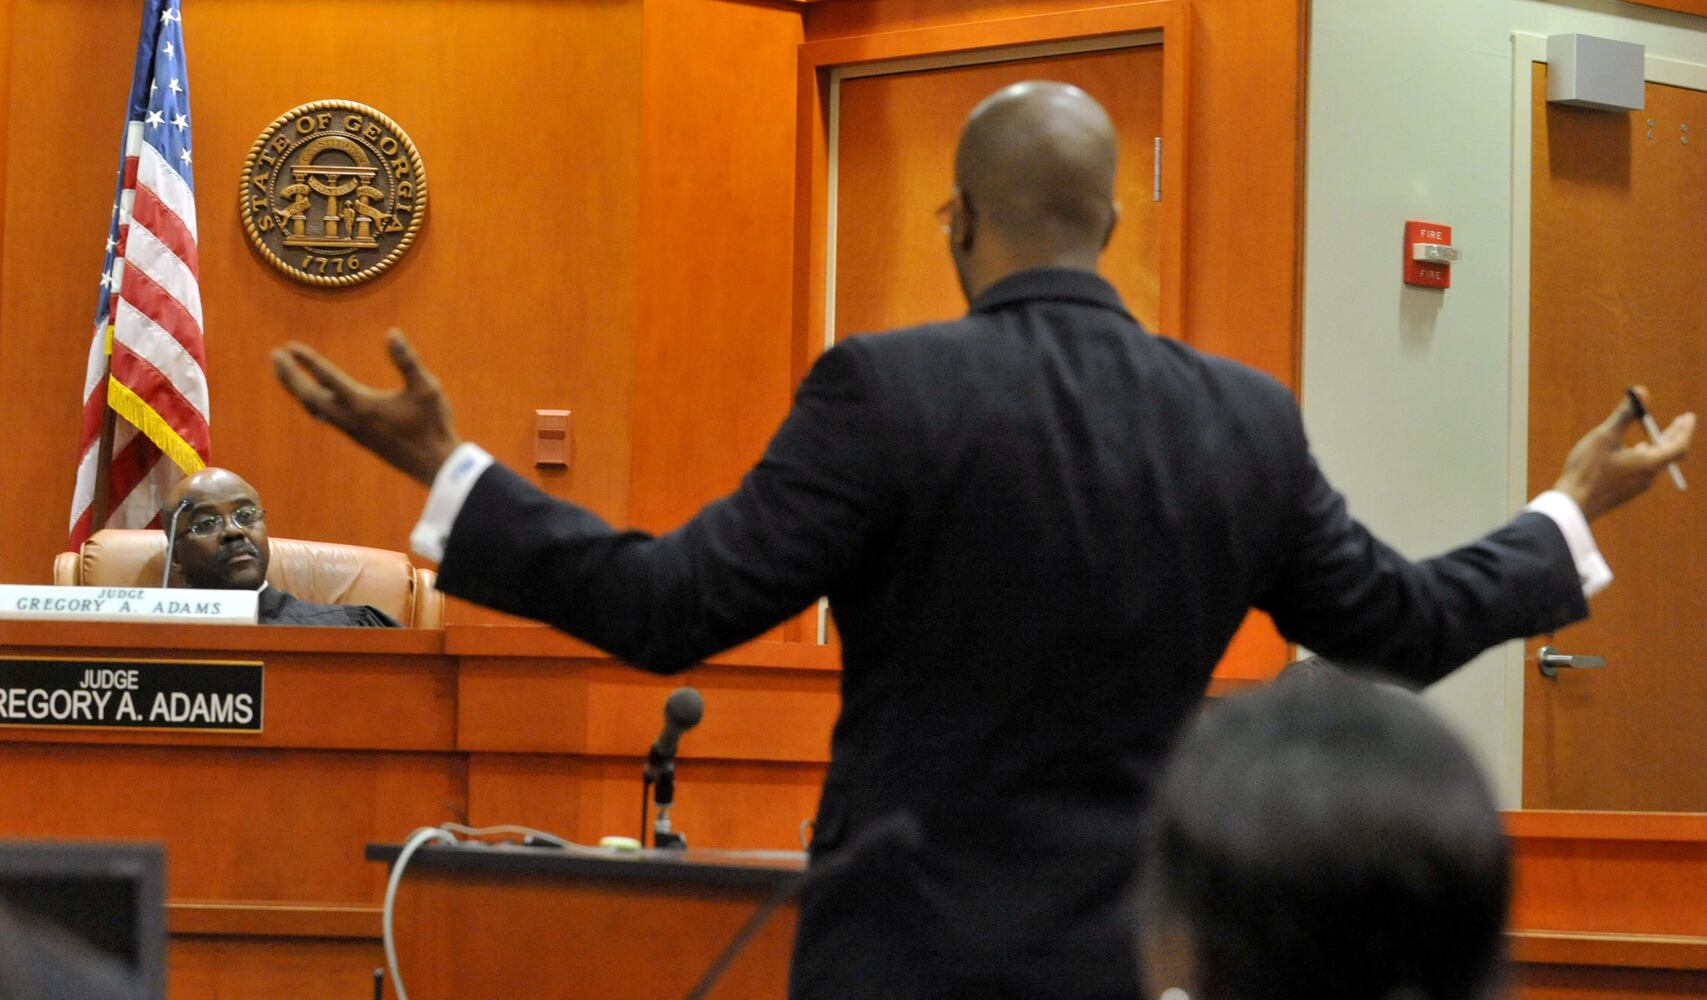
x=322 y=572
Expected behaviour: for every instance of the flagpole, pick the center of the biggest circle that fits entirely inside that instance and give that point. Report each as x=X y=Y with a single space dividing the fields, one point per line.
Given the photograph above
x=102 y=502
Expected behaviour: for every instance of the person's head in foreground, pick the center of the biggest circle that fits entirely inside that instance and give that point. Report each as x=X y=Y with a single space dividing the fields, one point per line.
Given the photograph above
x=1323 y=841
x=222 y=531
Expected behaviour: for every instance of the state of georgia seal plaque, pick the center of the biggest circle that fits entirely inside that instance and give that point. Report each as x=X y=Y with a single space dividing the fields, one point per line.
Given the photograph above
x=333 y=193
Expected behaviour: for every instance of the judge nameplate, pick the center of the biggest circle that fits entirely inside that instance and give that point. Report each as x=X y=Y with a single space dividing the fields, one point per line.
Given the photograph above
x=216 y=696
x=129 y=604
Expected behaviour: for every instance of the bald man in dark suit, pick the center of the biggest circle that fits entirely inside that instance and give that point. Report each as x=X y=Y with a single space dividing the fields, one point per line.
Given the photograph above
x=1039 y=526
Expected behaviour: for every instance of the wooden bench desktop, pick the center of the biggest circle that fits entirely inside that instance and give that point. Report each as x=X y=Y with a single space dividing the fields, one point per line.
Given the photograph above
x=540 y=922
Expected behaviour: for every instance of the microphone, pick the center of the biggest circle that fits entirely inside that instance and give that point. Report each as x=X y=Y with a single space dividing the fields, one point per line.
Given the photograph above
x=172 y=541
x=682 y=712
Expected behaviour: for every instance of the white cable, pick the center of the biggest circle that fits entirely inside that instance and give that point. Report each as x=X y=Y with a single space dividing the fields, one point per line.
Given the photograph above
x=415 y=842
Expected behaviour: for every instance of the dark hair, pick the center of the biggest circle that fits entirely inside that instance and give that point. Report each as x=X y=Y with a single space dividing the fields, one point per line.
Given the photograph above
x=1310 y=668
x=1329 y=841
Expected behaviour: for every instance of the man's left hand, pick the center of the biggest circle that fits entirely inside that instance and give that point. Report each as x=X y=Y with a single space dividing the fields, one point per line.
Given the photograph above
x=1602 y=473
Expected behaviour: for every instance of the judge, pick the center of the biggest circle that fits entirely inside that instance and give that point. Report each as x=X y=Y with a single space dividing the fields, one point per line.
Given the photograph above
x=222 y=545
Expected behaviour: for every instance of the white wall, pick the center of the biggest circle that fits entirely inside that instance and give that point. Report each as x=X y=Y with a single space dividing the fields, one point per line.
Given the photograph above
x=1407 y=392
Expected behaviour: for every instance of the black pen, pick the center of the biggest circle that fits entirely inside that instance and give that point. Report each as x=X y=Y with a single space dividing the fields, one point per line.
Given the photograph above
x=1653 y=430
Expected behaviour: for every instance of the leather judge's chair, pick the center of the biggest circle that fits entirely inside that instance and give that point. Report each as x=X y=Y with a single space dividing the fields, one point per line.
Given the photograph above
x=322 y=572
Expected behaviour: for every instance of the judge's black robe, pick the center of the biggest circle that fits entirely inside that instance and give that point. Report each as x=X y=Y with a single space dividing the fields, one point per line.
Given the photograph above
x=280 y=608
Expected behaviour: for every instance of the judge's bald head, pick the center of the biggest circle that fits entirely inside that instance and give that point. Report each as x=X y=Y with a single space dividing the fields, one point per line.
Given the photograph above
x=1034 y=174
x=222 y=531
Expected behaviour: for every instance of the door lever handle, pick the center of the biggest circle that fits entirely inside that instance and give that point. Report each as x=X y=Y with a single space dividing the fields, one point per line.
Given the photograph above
x=1552 y=661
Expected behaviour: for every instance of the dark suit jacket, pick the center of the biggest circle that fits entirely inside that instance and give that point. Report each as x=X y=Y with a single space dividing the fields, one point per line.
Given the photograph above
x=280 y=608
x=1038 y=526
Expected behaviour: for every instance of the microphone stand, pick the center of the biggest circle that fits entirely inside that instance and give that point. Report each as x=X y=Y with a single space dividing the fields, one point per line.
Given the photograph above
x=682 y=712
x=660 y=779
x=172 y=542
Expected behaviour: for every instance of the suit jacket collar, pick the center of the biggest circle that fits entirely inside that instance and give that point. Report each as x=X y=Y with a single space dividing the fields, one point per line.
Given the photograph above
x=1060 y=284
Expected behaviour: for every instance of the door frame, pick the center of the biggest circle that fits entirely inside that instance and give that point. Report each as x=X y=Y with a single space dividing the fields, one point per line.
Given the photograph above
x=1528 y=49
x=824 y=64
x=979 y=57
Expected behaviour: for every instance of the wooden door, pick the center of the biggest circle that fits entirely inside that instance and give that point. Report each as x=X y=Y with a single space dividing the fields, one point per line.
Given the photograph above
x=1618 y=296
x=895 y=165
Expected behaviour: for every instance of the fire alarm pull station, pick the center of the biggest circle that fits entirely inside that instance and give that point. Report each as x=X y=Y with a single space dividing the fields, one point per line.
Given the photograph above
x=1429 y=255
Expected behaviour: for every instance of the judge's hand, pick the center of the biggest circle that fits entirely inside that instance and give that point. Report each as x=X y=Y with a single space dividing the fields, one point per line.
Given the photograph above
x=1601 y=472
x=410 y=428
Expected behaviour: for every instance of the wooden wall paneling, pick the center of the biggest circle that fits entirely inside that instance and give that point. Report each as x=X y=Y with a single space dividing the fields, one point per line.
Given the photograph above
x=1621 y=873
x=50 y=266
x=216 y=968
x=5 y=137
x=714 y=364
x=521 y=292
x=598 y=938
x=811 y=207
x=712 y=376
x=269 y=825
x=583 y=707
x=731 y=804
x=1608 y=905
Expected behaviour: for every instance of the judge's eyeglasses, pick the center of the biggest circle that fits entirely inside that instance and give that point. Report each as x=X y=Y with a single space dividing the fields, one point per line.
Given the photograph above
x=243 y=517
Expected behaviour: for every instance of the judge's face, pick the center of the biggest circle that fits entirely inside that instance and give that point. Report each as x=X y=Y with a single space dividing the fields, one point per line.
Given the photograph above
x=222 y=533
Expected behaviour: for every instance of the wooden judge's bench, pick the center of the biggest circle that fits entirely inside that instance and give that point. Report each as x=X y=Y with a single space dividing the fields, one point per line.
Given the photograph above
x=371 y=734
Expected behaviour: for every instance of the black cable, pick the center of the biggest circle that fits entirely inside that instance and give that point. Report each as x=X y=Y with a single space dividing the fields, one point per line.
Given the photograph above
x=737 y=944
x=897 y=831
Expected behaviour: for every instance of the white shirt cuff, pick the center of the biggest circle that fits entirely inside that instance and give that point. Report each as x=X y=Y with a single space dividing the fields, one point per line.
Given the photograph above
x=450 y=491
x=1592 y=571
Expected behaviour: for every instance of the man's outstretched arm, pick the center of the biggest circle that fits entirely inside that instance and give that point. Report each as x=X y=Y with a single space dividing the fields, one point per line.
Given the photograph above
x=1345 y=594
x=744 y=563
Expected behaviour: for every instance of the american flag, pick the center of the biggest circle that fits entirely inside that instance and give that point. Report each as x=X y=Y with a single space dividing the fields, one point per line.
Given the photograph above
x=147 y=365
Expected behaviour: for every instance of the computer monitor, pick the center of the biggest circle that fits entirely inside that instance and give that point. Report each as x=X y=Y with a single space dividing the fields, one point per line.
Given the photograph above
x=111 y=896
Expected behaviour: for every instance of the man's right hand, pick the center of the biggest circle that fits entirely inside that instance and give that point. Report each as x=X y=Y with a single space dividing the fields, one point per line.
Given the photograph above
x=1601 y=472
x=409 y=428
